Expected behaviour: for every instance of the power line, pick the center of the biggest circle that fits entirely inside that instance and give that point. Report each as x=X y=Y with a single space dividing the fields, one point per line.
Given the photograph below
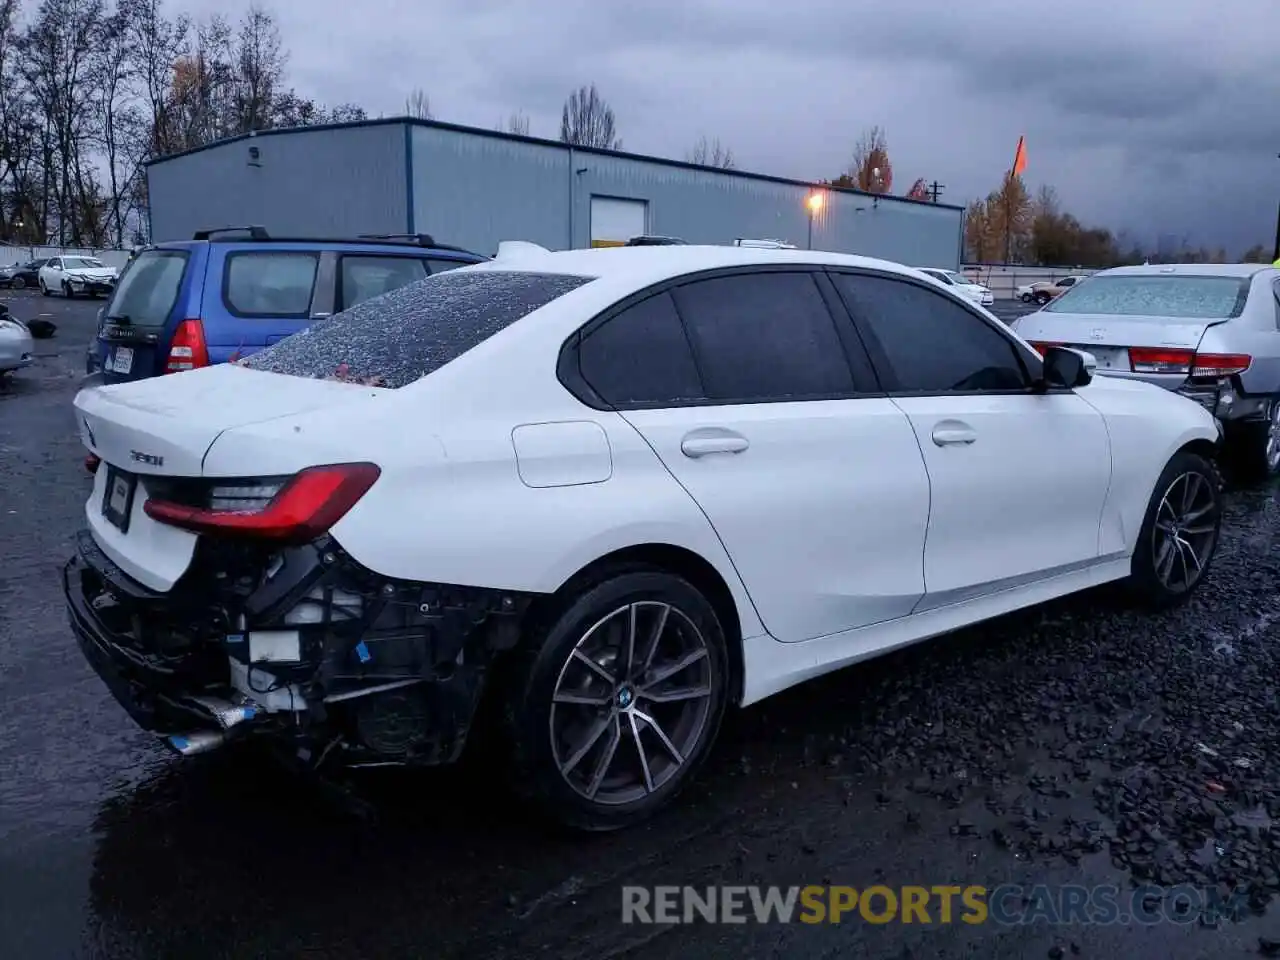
x=934 y=189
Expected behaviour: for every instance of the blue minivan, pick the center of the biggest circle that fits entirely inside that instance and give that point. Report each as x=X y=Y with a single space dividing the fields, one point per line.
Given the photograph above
x=229 y=292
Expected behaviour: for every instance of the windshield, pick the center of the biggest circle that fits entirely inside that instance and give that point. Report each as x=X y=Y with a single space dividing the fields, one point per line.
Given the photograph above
x=75 y=263
x=1144 y=295
x=940 y=275
x=403 y=335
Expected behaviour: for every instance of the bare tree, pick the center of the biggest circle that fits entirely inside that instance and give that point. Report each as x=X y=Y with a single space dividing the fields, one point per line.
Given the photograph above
x=118 y=117
x=155 y=45
x=418 y=105
x=711 y=154
x=259 y=65
x=588 y=121
x=517 y=123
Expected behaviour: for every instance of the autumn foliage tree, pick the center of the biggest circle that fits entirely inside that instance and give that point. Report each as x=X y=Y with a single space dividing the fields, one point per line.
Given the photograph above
x=870 y=170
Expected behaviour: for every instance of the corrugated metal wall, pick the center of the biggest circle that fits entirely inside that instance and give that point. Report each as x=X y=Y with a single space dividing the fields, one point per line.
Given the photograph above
x=476 y=190
x=336 y=182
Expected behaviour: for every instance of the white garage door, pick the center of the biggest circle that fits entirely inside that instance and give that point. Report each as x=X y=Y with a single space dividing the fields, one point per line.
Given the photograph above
x=615 y=221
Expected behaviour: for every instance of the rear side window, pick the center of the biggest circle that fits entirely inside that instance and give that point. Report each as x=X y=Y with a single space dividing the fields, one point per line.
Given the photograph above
x=274 y=283
x=764 y=336
x=641 y=356
x=364 y=278
x=1151 y=296
x=406 y=334
x=148 y=289
x=440 y=266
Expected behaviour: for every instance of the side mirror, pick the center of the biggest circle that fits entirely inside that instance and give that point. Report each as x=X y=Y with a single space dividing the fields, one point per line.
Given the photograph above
x=1067 y=368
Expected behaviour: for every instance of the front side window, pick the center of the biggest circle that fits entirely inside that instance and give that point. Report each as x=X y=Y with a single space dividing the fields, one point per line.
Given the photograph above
x=366 y=277
x=273 y=283
x=408 y=333
x=764 y=336
x=641 y=356
x=931 y=344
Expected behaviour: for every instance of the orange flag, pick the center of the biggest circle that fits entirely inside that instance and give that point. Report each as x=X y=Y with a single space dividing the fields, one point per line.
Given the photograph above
x=1020 y=158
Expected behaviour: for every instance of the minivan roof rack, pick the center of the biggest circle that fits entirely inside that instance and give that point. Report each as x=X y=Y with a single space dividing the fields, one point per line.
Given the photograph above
x=255 y=232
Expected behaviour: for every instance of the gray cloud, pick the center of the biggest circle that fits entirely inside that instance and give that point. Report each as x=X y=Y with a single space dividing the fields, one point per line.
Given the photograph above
x=1156 y=117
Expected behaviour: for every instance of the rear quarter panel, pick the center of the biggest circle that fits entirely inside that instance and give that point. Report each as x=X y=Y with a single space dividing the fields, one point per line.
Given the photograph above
x=451 y=506
x=1147 y=425
x=1255 y=332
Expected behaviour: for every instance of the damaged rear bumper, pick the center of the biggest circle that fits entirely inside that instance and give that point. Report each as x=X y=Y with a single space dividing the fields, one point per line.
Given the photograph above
x=302 y=646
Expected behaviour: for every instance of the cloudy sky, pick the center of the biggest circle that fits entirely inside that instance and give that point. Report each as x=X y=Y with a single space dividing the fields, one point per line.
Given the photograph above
x=1159 y=116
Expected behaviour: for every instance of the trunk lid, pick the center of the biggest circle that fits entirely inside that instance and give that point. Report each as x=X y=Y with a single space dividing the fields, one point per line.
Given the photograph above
x=1109 y=337
x=165 y=425
x=150 y=430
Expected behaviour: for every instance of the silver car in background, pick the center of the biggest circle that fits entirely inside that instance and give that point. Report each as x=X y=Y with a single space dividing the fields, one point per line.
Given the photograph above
x=16 y=349
x=1210 y=331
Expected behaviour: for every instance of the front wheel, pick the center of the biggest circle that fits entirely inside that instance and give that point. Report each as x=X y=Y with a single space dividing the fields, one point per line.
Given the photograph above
x=1026 y=298
x=66 y=290
x=18 y=283
x=44 y=289
x=619 y=700
x=1043 y=298
x=1179 y=534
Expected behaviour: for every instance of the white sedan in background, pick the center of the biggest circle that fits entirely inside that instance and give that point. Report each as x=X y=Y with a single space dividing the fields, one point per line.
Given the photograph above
x=611 y=493
x=16 y=348
x=967 y=288
x=74 y=276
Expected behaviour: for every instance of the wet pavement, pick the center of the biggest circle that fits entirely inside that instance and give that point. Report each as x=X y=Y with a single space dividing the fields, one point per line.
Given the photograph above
x=1079 y=743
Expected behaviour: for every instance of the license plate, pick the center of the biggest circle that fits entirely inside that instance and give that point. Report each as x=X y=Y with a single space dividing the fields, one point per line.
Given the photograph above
x=122 y=359
x=117 y=498
x=1109 y=358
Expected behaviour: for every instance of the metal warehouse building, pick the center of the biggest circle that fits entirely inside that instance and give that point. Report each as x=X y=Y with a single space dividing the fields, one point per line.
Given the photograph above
x=474 y=188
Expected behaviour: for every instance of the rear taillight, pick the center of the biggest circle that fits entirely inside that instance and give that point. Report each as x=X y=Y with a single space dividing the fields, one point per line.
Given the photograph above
x=1220 y=364
x=1040 y=348
x=303 y=508
x=91 y=462
x=1187 y=362
x=1160 y=360
x=188 y=349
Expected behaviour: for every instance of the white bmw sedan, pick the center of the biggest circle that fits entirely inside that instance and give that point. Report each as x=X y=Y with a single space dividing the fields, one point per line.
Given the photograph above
x=608 y=493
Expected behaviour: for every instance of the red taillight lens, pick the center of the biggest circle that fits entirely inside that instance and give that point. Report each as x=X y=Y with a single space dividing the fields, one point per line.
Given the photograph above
x=91 y=463
x=1040 y=348
x=188 y=349
x=307 y=505
x=1220 y=364
x=1160 y=360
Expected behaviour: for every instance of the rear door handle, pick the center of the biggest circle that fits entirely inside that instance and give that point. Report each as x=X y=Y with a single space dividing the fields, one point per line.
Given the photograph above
x=700 y=443
x=954 y=433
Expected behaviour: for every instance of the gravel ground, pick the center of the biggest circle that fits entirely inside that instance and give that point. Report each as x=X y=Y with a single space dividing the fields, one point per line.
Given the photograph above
x=1077 y=743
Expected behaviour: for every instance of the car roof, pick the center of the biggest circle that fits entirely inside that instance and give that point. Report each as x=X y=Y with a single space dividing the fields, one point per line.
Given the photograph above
x=362 y=244
x=643 y=265
x=1241 y=270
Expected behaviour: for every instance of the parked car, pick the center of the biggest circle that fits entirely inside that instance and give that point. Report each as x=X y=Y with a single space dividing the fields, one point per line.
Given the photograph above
x=21 y=275
x=1045 y=290
x=1206 y=331
x=228 y=293
x=763 y=244
x=610 y=492
x=654 y=241
x=16 y=348
x=962 y=285
x=72 y=276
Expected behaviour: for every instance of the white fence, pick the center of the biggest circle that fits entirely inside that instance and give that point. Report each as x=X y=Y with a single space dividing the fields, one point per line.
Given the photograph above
x=1004 y=281
x=10 y=253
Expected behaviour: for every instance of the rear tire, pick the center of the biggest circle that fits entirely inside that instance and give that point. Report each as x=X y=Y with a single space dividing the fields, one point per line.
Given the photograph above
x=615 y=705
x=1026 y=298
x=1179 y=534
x=1256 y=446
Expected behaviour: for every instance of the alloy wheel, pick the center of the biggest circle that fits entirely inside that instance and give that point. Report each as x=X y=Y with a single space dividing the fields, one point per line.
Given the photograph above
x=631 y=703
x=1185 y=531
x=1271 y=451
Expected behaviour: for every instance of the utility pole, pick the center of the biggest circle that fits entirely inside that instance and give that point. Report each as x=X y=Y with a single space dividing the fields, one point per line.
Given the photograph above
x=1276 y=251
x=935 y=189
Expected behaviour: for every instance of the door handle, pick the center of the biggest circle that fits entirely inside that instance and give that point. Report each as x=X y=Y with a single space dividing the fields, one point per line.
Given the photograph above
x=954 y=433
x=700 y=443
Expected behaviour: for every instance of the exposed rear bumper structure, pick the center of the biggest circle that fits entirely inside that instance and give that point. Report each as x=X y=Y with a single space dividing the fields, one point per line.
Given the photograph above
x=304 y=647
